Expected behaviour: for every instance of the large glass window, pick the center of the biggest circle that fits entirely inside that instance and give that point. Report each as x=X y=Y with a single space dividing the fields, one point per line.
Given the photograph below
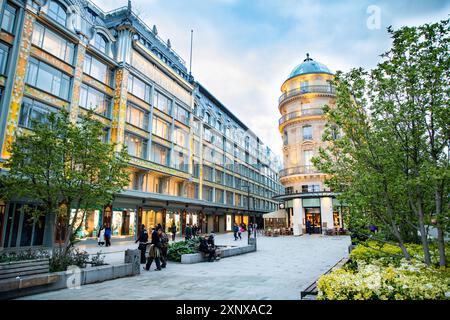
x=208 y=173
x=53 y=43
x=97 y=69
x=3 y=58
x=100 y=42
x=161 y=128
x=307 y=156
x=137 y=116
x=307 y=132
x=32 y=112
x=181 y=161
x=181 y=114
x=57 y=12
x=160 y=154
x=219 y=196
x=47 y=78
x=136 y=146
x=95 y=100
x=207 y=193
x=9 y=18
x=139 y=88
x=181 y=137
x=162 y=102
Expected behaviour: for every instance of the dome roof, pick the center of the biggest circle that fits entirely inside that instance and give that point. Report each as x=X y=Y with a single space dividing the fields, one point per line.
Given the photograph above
x=309 y=66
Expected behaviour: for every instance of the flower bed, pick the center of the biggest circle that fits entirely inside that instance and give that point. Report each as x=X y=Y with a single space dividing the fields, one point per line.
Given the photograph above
x=379 y=273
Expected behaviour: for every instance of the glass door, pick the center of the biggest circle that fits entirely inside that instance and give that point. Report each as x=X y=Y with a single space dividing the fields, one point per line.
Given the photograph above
x=313 y=216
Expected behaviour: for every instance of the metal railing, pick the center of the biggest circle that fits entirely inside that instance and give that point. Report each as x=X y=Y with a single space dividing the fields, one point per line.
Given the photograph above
x=327 y=89
x=297 y=170
x=301 y=113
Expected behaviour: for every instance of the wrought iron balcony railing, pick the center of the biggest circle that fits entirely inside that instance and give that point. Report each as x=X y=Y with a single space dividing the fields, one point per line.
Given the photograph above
x=301 y=113
x=327 y=89
x=297 y=170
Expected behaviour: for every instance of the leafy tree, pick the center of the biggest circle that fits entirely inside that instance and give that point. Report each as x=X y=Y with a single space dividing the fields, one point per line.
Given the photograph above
x=391 y=162
x=63 y=166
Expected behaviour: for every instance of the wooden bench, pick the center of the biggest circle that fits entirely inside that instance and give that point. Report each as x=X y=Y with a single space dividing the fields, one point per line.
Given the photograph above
x=312 y=288
x=25 y=274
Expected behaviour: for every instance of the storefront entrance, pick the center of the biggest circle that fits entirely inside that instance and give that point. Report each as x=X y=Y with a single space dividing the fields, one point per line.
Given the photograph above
x=313 y=216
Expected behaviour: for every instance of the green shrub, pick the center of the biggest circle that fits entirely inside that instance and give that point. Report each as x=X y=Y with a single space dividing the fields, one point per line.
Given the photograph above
x=177 y=249
x=98 y=260
x=60 y=260
x=29 y=254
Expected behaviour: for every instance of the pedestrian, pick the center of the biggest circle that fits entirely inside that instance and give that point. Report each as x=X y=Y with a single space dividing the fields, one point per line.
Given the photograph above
x=108 y=234
x=164 y=249
x=208 y=248
x=308 y=227
x=173 y=229
x=101 y=236
x=240 y=230
x=143 y=241
x=188 y=232
x=155 y=250
x=235 y=231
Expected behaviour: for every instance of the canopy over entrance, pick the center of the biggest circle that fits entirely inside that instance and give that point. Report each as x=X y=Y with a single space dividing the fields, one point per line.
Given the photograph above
x=279 y=214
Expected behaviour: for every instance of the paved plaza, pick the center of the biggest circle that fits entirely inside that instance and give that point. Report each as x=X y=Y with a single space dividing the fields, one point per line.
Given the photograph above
x=280 y=269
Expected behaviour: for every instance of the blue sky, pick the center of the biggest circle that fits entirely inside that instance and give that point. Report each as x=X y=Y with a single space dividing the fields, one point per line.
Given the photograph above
x=244 y=49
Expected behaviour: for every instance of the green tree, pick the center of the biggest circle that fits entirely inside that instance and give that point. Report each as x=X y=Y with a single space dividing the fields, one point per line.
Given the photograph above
x=391 y=161
x=65 y=168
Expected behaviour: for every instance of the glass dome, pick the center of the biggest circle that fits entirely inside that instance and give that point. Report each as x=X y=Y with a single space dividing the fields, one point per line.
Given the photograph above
x=309 y=66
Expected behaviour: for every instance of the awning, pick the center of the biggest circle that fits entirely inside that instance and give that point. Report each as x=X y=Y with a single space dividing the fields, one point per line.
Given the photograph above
x=279 y=214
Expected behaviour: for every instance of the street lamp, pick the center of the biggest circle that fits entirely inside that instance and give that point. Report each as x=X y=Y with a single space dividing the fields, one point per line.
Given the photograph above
x=248 y=208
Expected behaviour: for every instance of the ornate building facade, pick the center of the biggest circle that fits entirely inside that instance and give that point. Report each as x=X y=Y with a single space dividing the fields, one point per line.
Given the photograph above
x=302 y=123
x=192 y=160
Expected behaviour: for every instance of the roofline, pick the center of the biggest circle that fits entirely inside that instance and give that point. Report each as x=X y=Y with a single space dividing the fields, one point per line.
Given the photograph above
x=302 y=74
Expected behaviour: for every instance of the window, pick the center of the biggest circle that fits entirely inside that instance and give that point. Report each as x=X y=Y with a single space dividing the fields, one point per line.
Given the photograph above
x=307 y=156
x=139 y=88
x=219 y=177
x=136 y=145
x=9 y=17
x=3 y=58
x=307 y=132
x=53 y=43
x=219 y=196
x=160 y=154
x=137 y=117
x=97 y=69
x=208 y=173
x=160 y=128
x=207 y=193
x=181 y=137
x=47 y=78
x=181 y=114
x=162 y=102
x=100 y=42
x=95 y=100
x=181 y=161
x=33 y=111
x=57 y=12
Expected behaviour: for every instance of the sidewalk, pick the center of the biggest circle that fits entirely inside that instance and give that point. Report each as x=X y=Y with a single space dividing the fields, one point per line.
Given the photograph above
x=116 y=252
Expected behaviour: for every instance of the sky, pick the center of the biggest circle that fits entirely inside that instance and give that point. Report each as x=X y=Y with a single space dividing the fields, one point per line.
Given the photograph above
x=243 y=50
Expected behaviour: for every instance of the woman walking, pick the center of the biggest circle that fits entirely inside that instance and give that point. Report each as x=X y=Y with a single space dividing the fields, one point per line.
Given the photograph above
x=101 y=236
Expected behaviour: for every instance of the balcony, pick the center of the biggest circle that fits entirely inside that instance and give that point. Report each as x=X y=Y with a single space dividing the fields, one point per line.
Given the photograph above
x=297 y=170
x=301 y=113
x=326 y=89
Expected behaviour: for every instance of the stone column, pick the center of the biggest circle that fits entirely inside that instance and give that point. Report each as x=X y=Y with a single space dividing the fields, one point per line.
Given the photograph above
x=77 y=80
x=326 y=213
x=297 y=219
x=18 y=85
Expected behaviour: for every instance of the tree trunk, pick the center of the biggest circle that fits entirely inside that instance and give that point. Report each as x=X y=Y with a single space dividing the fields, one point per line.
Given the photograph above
x=440 y=231
x=423 y=232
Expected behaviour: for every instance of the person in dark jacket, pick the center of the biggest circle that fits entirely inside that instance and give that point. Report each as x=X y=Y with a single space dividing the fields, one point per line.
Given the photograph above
x=155 y=250
x=204 y=247
x=188 y=232
x=164 y=249
x=108 y=233
x=143 y=241
x=235 y=231
x=308 y=227
x=173 y=229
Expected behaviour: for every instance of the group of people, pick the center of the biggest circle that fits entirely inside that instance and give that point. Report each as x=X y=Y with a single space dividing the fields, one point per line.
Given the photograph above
x=191 y=231
x=239 y=229
x=208 y=246
x=159 y=244
x=104 y=235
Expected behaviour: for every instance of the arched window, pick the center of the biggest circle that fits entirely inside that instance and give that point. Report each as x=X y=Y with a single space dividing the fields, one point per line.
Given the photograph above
x=100 y=42
x=57 y=12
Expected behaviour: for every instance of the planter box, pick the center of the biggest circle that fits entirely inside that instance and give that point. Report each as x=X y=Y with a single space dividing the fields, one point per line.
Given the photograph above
x=224 y=253
x=23 y=268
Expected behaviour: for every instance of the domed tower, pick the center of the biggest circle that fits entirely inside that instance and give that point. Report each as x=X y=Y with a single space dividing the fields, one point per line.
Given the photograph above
x=302 y=123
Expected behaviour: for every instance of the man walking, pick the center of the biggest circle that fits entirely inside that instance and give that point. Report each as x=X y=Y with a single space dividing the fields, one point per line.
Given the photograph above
x=164 y=249
x=155 y=250
x=173 y=229
x=235 y=231
x=143 y=240
x=188 y=232
x=308 y=227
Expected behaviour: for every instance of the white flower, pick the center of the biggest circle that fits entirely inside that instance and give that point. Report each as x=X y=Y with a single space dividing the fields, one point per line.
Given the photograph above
x=429 y=286
x=390 y=288
x=404 y=286
x=447 y=294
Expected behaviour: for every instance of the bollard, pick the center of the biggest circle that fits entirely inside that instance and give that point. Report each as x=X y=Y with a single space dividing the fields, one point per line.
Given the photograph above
x=133 y=257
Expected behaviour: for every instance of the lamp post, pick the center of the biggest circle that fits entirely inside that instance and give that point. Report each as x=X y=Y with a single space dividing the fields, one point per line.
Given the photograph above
x=248 y=208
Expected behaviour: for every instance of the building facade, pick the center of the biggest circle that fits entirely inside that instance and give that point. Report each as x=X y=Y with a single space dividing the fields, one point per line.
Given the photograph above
x=302 y=123
x=192 y=161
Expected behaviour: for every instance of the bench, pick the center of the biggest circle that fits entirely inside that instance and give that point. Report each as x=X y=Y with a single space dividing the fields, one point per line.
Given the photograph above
x=312 y=288
x=25 y=274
